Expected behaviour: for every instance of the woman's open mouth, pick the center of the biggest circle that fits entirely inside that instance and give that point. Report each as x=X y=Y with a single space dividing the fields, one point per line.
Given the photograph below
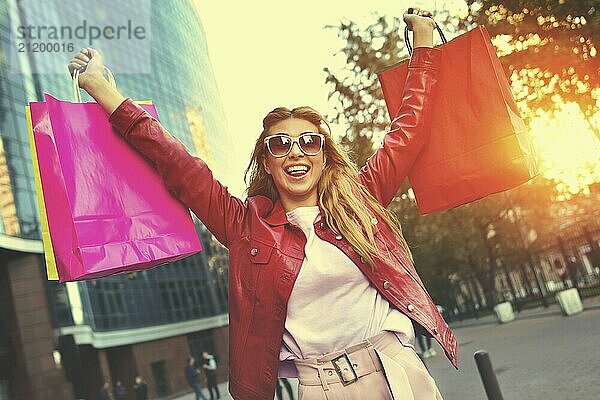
x=297 y=171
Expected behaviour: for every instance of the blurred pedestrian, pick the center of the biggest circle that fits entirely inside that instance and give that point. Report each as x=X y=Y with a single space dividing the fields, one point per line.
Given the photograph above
x=561 y=271
x=574 y=269
x=120 y=391
x=425 y=345
x=192 y=373
x=321 y=276
x=288 y=388
x=105 y=392
x=140 y=389
x=210 y=369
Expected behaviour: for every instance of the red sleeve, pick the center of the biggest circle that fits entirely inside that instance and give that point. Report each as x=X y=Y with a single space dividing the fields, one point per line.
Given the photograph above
x=386 y=169
x=186 y=176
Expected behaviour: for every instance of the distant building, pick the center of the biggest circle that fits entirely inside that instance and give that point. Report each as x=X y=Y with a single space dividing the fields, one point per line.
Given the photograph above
x=62 y=341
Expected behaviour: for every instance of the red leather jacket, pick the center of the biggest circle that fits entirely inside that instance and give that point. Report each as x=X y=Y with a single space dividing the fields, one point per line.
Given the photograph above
x=266 y=251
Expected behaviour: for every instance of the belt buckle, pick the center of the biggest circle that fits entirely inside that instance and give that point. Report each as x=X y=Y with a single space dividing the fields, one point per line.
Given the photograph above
x=345 y=369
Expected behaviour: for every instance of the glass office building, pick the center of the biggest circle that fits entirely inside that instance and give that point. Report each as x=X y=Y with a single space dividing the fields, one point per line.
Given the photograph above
x=67 y=339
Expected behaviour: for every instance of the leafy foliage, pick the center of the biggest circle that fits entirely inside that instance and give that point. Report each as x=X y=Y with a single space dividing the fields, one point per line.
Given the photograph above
x=548 y=49
x=554 y=46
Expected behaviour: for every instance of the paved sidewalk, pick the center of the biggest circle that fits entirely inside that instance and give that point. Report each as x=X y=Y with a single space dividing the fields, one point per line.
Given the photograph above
x=191 y=396
x=539 y=312
x=540 y=355
x=592 y=303
x=225 y=393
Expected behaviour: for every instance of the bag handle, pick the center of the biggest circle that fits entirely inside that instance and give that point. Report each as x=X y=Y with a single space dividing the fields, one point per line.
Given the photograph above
x=407 y=41
x=77 y=89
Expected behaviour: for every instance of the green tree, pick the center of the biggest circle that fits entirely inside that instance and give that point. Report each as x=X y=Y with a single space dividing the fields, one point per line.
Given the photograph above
x=554 y=47
x=549 y=49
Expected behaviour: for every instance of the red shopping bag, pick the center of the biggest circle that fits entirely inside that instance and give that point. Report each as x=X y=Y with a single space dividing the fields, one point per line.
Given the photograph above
x=104 y=208
x=479 y=144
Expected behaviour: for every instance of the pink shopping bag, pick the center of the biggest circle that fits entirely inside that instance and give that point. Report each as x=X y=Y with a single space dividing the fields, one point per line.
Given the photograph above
x=107 y=209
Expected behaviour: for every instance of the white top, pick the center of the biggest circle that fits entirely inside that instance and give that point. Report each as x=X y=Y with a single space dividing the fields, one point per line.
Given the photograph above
x=211 y=364
x=333 y=305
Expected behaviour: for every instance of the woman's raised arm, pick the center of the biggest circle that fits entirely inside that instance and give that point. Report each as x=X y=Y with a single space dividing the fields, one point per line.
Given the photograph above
x=385 y=171
x=186 y=176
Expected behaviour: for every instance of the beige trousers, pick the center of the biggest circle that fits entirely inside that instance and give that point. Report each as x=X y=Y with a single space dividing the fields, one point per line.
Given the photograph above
x=381 y=367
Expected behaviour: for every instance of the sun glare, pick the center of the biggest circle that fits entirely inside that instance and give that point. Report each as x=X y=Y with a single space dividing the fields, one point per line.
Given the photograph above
x=568 y=148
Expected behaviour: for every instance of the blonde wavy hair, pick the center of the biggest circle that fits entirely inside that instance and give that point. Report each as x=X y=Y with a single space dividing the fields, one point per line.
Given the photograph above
x=347 y=205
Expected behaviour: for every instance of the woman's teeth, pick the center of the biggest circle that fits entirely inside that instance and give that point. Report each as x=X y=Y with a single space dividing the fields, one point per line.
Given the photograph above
x=297 y=170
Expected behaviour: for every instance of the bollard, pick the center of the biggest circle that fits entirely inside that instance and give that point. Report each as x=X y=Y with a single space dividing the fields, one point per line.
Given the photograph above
x=488 y=377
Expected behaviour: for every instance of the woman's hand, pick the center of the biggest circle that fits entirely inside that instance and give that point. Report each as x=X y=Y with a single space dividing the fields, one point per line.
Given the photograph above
x=415 y=19
x=420 y=22
x=90 y=64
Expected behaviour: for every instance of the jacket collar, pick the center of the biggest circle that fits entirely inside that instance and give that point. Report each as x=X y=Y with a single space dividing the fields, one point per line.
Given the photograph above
x=274 y=213
x=271 y=212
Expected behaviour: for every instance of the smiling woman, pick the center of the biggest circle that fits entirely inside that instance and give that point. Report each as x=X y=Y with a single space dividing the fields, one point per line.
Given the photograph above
x=295 y=171
x=322 y=284
x=300 y=178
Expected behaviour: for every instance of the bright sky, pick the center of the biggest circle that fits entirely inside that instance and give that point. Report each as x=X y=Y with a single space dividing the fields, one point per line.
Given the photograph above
x=268 y=53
